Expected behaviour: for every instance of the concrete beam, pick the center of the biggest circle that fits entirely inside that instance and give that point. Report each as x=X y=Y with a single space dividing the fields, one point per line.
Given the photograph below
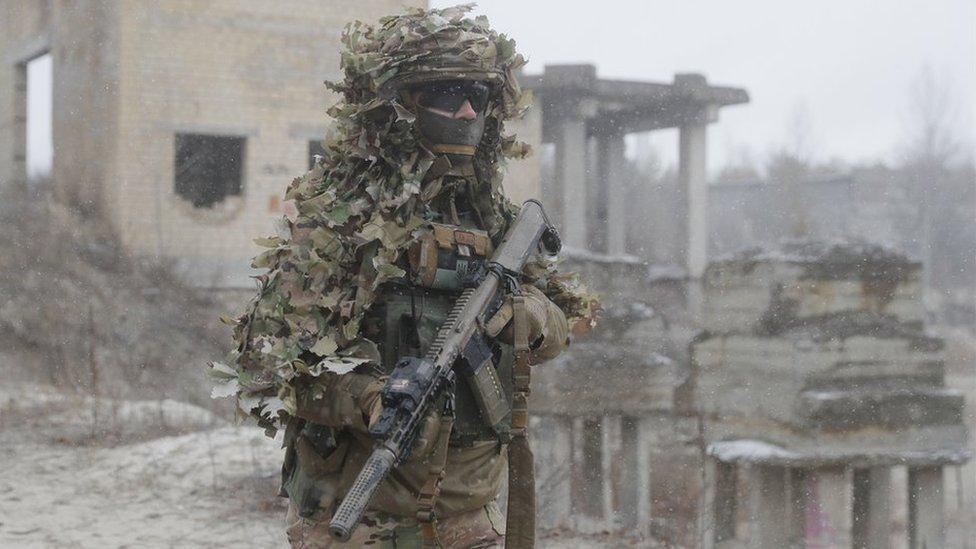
x=926 y=508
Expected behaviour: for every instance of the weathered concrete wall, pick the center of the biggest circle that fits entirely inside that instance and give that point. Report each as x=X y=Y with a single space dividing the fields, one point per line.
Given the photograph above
x=611 y=452
x=740 y=375
x=759 y=291
x=129 y=76
x=86 y=96
x=816 y=362
x=243 y=68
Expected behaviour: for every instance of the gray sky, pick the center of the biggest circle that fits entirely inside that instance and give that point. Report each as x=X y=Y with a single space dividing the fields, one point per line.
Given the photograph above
x=39 y=116
x=847 y=63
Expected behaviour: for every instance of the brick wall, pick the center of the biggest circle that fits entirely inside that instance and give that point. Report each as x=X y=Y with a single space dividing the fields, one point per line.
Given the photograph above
x=244 y=68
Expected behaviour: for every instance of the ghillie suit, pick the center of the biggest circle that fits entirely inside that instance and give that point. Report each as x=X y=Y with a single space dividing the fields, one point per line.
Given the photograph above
x=341 y=255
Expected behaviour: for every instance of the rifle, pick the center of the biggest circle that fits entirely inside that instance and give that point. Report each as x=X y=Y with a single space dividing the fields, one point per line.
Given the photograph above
x=417 y=385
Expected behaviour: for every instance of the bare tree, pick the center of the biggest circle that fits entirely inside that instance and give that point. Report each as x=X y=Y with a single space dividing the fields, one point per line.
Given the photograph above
x=932 y=144
x=931 y=121
x=791 y=163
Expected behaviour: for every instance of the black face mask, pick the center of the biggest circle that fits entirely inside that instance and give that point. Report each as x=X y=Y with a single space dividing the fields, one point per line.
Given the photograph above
x=452 y=135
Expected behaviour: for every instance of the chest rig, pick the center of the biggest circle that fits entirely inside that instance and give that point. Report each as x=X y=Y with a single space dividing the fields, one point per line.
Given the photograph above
x=409 y=312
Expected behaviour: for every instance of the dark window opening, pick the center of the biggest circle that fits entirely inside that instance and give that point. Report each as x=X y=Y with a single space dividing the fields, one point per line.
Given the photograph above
x=314 y=148
x=209 y=168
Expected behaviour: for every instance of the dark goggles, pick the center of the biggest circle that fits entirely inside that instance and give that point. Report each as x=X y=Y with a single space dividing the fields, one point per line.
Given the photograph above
x=450 y=95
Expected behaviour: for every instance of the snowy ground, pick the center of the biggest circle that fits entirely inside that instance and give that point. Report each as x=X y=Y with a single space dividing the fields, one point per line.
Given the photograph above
x=167 y=474
x=213 y=487
x=157 y=474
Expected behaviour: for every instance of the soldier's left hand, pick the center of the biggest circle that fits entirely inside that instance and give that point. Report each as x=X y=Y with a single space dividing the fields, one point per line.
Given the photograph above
x=536 y=315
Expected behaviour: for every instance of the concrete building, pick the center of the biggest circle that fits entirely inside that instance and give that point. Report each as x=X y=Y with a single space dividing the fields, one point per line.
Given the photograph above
x=815 y=381
x=877 y=204
x=183 y=121
x=587 y=118
x=604 y=420
x=604 y=425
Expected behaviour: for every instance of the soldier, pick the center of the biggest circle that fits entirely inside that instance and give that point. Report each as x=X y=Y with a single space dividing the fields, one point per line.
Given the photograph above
x=406 y=201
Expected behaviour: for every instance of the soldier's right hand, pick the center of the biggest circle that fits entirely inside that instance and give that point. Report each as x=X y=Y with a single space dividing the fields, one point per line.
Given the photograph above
x=372 y=407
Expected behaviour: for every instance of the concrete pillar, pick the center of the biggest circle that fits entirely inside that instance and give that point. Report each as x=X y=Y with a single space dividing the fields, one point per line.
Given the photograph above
x=571 y=177
x=576 y=481
x=18 y=126
x=692 y=176
x=627 y=485
x=898 y=484
x=796 y=480
x=770 y=521
x=724 y=503
x=828 y=508
x=612 y=175
x=705 y=527
x=926 y=508
x=589 y=474
x=552 y=442
x=610 y=460
x=645 y=434
x=872 y=511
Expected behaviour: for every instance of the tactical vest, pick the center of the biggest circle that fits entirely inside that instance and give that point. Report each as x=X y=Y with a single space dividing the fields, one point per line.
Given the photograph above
x=408 y=313
x=403 y=321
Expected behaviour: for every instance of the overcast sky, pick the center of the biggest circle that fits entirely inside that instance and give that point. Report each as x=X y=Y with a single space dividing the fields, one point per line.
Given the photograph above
x=847 y=63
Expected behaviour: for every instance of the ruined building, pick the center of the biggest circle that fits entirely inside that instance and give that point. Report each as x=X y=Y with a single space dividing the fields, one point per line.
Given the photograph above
x=605 y=425
x=814 y=378
x=180 y=121
x=768 y=400
x=812 y=392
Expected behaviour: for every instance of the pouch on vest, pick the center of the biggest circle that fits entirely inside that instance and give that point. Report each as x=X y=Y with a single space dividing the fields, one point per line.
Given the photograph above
x=486 y=387
x=446 y=256
x=313 y=483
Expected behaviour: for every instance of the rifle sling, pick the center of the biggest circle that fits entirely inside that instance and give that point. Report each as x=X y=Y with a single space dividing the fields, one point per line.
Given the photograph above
x=520 y=518
x=432 y=486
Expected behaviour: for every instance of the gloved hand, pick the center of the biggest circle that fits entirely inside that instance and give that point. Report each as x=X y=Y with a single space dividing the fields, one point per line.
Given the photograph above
x=353 y=401
x=547 y=326
x=371 y=404
x=500 y=326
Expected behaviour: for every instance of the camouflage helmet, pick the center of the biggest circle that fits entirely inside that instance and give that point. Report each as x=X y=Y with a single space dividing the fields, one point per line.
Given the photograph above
x=421 y=46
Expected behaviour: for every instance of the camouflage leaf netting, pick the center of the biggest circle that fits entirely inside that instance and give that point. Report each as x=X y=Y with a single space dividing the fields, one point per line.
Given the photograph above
x=362 y=205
